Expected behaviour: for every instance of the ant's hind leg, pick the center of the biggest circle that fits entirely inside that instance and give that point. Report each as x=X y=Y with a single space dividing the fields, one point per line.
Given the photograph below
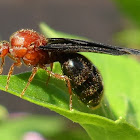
x=62 y=77
x=17 y=63
x=34 y=71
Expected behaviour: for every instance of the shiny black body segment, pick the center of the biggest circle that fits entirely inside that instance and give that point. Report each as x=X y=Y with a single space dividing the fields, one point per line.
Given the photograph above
x=85 y=79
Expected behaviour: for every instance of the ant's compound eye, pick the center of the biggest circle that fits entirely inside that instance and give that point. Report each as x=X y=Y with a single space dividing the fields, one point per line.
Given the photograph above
x=4 y=48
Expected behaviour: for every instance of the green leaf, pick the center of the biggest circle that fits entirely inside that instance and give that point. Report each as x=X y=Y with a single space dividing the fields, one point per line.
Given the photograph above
x=119 y=112
x=130 y=8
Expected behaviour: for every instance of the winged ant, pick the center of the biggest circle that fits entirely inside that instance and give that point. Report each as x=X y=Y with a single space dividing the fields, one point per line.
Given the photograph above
x=81 y=76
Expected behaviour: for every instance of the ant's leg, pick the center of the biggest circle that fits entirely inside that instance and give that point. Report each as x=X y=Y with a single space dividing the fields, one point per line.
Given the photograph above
x=62 y=77
x=17 y=63
x=34 y=71
x=51 y=66
x=1 y=66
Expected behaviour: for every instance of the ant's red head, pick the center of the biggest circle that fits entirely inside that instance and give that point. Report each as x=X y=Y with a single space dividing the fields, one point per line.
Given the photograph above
x=4 y=48
x=23 y=41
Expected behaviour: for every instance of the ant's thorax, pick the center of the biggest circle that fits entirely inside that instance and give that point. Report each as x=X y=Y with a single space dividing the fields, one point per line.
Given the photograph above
x=24 y=45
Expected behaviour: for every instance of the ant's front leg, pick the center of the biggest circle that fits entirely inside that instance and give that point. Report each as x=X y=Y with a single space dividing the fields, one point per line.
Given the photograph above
x=1 y=66
x=17 y=63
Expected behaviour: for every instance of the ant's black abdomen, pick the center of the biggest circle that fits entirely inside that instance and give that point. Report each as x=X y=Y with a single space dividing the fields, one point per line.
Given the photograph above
x=85 y=79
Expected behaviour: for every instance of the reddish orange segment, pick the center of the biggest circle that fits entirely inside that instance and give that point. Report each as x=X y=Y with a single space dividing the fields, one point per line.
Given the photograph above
x=27 y=38
x=23 y=45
